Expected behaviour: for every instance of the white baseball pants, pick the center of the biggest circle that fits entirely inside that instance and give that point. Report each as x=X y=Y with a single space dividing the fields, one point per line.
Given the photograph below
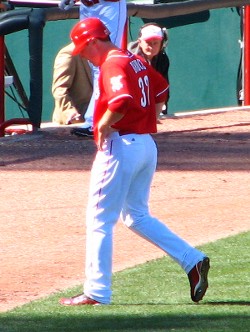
x=119 y=186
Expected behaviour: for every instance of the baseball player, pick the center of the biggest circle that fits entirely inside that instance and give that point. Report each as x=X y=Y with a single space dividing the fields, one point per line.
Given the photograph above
x=130 y=94
x=113 y=13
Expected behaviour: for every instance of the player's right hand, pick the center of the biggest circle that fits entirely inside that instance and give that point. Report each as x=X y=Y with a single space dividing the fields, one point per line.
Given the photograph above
x=66 y=4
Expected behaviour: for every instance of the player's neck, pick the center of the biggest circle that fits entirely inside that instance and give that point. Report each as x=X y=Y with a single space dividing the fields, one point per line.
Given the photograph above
x=111 y=49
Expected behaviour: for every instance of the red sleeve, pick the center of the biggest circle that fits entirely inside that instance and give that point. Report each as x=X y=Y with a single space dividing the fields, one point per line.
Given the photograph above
x=120 y=105
x=114 y=81
x=161 y=86
x=115 y=85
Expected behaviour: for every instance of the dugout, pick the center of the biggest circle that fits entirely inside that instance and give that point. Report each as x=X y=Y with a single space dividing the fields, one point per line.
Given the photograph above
x=204 y=54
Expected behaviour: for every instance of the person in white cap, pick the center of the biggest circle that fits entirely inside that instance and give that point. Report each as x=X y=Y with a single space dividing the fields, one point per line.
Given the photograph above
x=151 y=43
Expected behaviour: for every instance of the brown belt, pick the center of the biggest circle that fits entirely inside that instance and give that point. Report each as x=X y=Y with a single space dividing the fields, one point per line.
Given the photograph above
x=89 y=3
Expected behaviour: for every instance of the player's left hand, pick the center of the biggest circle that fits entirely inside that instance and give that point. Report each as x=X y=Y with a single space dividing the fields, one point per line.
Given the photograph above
x=103 y=133
x=104 y=128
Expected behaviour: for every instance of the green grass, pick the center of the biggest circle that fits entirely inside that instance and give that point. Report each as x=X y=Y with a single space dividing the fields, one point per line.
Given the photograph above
x=154 y=297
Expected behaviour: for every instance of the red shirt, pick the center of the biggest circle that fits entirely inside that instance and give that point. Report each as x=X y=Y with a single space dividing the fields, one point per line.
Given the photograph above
x=127 y=78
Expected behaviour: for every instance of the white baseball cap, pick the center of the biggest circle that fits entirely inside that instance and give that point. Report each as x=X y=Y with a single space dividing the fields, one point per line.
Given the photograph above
x=151 y=32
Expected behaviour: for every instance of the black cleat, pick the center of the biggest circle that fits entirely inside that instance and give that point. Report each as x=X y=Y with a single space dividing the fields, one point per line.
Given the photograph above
x=198 y=279
x=81 y=132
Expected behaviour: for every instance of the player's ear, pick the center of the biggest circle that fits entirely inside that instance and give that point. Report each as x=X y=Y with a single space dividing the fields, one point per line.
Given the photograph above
x=93 y=42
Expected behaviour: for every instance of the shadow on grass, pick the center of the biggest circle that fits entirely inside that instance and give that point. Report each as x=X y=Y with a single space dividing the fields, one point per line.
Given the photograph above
x=138 y=322
x=239 y=303
x=212 y=303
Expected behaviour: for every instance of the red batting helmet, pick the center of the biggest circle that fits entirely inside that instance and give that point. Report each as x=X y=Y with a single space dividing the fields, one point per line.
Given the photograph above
x=86 y=30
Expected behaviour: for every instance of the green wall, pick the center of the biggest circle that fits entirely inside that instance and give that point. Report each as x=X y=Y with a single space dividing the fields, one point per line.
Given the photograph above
x=56 y=35
x=204 y=59
x=204 y=62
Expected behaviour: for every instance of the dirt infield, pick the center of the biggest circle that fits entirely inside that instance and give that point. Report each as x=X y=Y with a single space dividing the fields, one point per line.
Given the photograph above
x=201 y=190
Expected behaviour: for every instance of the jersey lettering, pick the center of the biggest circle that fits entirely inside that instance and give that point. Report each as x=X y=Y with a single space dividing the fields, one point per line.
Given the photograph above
x=137 y=65
x=143 y=83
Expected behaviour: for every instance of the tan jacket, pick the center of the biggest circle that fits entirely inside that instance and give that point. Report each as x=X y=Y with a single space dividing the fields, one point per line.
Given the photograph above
x=71 y=86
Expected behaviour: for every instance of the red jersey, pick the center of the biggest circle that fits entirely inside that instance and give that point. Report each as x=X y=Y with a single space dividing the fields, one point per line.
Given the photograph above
x=127 y=77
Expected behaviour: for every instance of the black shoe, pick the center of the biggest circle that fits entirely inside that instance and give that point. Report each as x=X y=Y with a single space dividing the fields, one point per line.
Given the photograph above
x=198 y=279
x=89 y=132
x=164 y=112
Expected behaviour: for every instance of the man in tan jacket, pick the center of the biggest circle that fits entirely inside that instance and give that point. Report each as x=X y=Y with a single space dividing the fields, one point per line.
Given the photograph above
x=71 y=87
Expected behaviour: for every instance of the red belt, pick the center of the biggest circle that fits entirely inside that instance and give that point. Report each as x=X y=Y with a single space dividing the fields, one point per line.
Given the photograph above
x=89 y=3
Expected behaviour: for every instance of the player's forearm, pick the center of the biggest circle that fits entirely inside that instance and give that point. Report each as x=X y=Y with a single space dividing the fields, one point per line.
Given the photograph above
x=105 y=126
x=109 y=118
x=158 y=108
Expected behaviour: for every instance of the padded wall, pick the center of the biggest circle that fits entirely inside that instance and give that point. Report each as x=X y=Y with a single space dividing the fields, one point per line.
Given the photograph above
x=204 y=60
